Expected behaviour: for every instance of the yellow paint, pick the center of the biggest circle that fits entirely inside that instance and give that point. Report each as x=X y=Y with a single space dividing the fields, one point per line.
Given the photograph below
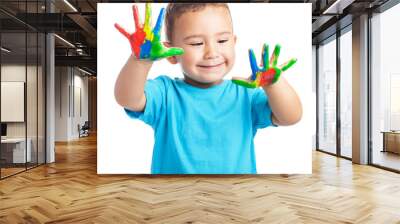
x=258 y=78
x=147 y=23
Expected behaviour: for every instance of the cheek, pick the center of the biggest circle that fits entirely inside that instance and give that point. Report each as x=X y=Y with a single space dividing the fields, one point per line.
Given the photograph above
x=231 y=56
x=190 y=57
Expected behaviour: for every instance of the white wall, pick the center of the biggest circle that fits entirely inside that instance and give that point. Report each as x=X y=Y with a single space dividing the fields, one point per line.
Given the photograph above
x=16 y=73
x=61 y=103
x=79 y=117
x=70 y=83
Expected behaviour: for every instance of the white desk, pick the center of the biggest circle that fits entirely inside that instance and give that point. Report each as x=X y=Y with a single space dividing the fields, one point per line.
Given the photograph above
x=18 y=150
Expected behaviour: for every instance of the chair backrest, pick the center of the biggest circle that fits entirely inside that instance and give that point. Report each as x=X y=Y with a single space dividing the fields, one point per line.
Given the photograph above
x=86 y=124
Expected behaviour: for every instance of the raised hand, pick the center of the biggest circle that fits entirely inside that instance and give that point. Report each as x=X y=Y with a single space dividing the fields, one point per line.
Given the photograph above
x=269 y=73
x=145 y=43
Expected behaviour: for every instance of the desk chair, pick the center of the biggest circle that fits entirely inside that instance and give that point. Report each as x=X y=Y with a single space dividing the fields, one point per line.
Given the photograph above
x=84 y=130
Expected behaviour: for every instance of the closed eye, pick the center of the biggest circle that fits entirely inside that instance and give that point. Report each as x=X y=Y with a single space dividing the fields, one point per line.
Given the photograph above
x=196 y=44
x=222 y=41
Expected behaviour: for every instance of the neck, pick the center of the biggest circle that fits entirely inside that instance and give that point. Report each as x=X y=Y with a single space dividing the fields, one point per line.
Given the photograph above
x=200 y=84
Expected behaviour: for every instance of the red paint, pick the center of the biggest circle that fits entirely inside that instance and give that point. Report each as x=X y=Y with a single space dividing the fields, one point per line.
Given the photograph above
x=267 y=77
x=137 y=38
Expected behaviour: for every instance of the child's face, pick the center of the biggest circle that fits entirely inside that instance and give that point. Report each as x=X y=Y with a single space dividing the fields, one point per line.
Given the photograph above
x=207 y=38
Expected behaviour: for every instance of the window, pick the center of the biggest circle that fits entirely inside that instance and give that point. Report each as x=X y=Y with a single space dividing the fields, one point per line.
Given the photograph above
x=385 y=89
x=346 y=93
x=327 y=96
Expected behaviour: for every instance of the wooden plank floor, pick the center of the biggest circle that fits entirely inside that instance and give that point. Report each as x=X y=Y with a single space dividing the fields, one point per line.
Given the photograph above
x=70 y=191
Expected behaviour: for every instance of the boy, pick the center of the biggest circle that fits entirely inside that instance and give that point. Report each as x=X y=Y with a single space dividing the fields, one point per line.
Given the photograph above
x=203 y=124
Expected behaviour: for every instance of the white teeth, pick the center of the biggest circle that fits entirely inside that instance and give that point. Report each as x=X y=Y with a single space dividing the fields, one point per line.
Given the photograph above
x=211 y=65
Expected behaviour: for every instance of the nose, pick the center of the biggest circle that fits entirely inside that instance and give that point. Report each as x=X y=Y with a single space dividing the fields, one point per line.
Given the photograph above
x=211 y=51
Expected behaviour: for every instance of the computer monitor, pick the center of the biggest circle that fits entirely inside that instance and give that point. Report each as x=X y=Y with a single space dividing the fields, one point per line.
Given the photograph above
x=3 y=129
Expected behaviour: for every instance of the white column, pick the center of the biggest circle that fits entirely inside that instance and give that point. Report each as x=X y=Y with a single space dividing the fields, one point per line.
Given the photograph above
x=50 y=110
x=360 y=90
x=50 y=92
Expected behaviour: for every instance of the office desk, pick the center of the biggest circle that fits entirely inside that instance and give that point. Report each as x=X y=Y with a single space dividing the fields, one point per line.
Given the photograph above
x=15 y=148
x=391 y=141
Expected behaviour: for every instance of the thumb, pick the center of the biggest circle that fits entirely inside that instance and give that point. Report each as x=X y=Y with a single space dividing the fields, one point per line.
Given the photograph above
x=122 y=30
x=174 y=51
x=240 y=78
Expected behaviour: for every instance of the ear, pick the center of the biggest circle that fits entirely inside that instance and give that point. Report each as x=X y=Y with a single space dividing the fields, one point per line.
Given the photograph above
x=234 y=39
x=173 y=60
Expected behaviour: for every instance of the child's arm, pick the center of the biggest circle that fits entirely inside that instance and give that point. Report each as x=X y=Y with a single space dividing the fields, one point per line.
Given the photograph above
x=284 y=102
x=146 y=48
x=129 y=87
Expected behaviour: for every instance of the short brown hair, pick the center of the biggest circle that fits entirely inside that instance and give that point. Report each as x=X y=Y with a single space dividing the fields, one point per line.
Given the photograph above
x=175 y=10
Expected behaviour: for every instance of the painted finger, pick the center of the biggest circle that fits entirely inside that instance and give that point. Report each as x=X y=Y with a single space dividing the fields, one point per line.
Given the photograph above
x=147 y=23
x=159 y=51
x=288 y=64
x=245 y=83
x=265 y=54
x=122 y=30
x=157 y=27
x=274 y=57
x=147 y=19
x=253 y=64
x=136 y=17
x=174 y=51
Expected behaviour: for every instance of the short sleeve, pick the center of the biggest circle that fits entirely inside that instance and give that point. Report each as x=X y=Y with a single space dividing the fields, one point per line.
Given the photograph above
x=260 y=110
x=155 y=92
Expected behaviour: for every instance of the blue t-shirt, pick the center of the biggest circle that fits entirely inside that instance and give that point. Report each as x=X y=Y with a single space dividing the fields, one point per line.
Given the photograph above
x=203 y=130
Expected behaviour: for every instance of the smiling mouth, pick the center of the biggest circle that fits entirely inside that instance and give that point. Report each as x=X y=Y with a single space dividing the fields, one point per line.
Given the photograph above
x=211 y=66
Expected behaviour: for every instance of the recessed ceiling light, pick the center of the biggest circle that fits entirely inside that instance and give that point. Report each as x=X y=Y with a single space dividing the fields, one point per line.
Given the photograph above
x=338 y=6
x=5 y=50
x=64 y=40
x=84 y=71
x=70 y=5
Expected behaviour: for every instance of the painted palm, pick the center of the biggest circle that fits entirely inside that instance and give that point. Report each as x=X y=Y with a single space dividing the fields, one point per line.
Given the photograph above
x=269 y=73
x=145 y=42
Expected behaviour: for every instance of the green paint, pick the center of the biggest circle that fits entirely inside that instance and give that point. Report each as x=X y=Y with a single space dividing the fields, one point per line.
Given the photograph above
x=288 y=64
x=245 y=83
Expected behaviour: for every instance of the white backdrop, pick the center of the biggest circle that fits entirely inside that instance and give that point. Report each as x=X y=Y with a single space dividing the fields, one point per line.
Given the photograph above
x=125 y=145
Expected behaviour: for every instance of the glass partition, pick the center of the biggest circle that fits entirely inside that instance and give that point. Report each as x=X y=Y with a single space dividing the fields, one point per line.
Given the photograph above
x=22 y=77
x=327 y=96
x=13 y=103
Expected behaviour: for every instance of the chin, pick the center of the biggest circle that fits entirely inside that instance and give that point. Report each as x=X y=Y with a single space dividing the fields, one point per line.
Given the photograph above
x=210 y=78
x=206 y=78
